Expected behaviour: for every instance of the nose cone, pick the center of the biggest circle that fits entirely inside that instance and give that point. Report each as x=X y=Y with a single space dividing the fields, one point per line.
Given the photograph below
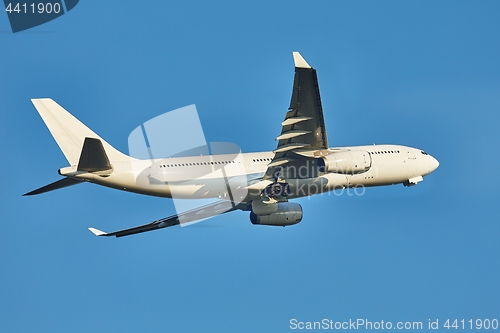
x=433 y=164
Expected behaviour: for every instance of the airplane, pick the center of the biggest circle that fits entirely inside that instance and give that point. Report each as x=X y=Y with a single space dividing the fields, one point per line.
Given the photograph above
x=262 y=183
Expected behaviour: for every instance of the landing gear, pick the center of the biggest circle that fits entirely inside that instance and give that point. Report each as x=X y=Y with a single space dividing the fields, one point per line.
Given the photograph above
x=285 y=190
x=277 y=189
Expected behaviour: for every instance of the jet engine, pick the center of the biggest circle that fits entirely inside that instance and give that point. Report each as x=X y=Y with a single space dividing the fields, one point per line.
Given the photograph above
x=346 y=162
x=287 y=213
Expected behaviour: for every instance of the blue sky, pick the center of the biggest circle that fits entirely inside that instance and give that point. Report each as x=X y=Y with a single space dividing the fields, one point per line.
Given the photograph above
x=419 y=73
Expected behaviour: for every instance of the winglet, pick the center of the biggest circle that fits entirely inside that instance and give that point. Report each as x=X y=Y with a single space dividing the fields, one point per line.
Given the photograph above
x=300 y=61
x=97 y=232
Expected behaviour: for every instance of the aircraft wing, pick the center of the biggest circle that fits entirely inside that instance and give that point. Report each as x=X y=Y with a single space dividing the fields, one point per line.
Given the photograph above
x=304 y=126
x=213 y=209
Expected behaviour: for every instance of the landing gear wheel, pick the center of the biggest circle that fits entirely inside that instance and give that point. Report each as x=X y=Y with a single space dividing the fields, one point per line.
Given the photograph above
x=277 y=189
x=285 y=190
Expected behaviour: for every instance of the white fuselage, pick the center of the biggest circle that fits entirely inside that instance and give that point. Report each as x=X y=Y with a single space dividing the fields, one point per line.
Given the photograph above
x=262 y=182
x=213 y=176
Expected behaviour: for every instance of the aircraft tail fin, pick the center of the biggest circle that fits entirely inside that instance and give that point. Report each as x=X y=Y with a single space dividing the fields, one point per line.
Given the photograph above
x=69 y=133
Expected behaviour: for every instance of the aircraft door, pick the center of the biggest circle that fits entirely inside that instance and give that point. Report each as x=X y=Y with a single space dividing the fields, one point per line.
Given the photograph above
x=410 y=154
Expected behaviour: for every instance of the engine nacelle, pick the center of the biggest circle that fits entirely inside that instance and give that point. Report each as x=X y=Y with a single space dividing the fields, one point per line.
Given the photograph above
x=347 y=162
x=287 y=213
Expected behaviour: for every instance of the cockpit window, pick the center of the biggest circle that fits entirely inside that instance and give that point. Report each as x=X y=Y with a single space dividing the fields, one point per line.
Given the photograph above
x=423 y=152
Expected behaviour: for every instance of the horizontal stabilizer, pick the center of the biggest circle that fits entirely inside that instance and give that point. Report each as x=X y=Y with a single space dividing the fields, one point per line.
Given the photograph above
x=65 y=182
x=93 y=157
